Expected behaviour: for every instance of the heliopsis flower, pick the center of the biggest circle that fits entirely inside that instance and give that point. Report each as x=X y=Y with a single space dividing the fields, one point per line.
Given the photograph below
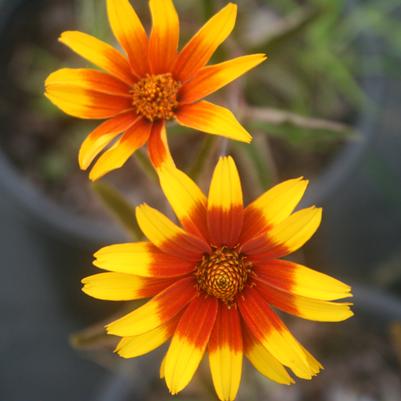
x=151 y=84
x=215 y=282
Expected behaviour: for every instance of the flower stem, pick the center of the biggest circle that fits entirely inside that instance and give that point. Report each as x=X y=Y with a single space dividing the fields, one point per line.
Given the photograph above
x=204 y=152
x=208 y=8
x=145 y=165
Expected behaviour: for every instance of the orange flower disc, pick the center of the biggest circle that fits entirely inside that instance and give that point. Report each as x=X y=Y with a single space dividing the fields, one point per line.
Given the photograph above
x=155 y=97
x=223 y=273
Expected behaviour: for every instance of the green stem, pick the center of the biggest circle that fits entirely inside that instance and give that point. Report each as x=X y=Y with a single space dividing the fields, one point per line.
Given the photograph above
x=208 y=8
x=145 y=165
x=202 y=158
x=119 y=207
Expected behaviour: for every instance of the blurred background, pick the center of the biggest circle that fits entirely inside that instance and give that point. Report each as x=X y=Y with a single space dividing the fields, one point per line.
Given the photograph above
x=325 y=105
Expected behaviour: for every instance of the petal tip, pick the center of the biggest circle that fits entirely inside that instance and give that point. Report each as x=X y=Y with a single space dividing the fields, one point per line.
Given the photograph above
x=246 y=137
x=64 y=36
x=82 y=163
x=94 y=176
x=109 y=329
x=87 y=290
x=233 y=7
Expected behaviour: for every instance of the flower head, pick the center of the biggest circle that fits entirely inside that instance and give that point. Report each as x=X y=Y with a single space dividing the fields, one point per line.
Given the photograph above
x=214 y=281
x=150 y=84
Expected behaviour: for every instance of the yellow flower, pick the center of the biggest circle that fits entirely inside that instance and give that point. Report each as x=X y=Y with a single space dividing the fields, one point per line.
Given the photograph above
x=213 y=282
x=150 y=85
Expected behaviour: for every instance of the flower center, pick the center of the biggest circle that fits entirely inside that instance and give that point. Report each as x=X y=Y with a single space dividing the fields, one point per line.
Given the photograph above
x=155 y=96
x=223 y=273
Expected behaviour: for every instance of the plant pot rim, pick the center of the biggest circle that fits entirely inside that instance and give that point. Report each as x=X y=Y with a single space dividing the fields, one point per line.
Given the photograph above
x=81 y=231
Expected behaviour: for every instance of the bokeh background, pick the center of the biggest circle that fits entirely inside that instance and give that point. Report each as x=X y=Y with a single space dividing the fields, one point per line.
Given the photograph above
x=326 y=105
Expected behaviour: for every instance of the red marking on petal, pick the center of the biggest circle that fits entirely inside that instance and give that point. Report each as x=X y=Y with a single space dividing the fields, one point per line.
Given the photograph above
x=258 y=316
x=153 y=286
x=165 y=265
x=197 y=322
x=262 y=249
x=254 y=224
x=186 y=246
x=174 y=298
x=225 y=225
x=227 y=330
x=277 y=273
x=273 y=296
x=196 y=223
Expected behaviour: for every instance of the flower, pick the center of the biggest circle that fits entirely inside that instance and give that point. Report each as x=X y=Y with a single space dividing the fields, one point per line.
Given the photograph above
x=153 y=84
x=214 y=281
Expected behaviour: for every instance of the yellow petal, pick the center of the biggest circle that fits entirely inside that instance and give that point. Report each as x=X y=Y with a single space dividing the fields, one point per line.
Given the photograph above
x=135 y=137
x=142 y=259
x=318 y=310
x=89 y=79
x=265 y=362
x=272 y=207
x=162 y=368
x=286 y=237
x=102 y=135
x=122 y=286
x=269 y=329
x=314 y=364
x=189 y=342
x=301 y=280
x=159 y=310
x=225 y=206
x=168 y=237
x=85 y=102
x=304 y=307
x=128 y=30
x=99 y=53
x=212 y=78
x=311 y=283
x=131 y=347
x=164 y=37
x=212 y=119
x=293 y=232
x=225 y=353
x=186 y=198
x=204 y=43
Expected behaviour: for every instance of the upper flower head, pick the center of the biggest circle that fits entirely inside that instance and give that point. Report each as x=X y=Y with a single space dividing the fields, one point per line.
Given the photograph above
x=215 y=280
x=148 y=85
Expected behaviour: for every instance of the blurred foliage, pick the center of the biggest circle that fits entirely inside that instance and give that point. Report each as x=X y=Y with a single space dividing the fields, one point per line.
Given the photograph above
x=121 y=209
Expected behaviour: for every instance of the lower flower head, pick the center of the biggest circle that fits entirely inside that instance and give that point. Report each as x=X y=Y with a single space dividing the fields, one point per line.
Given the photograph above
x=213 y=282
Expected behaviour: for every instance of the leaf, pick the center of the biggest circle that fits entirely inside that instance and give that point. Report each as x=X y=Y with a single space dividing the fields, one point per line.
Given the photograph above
x=119 y=207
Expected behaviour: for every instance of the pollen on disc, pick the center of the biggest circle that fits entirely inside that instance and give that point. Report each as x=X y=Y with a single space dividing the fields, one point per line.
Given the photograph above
x=223 y=273
x=155 y=97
